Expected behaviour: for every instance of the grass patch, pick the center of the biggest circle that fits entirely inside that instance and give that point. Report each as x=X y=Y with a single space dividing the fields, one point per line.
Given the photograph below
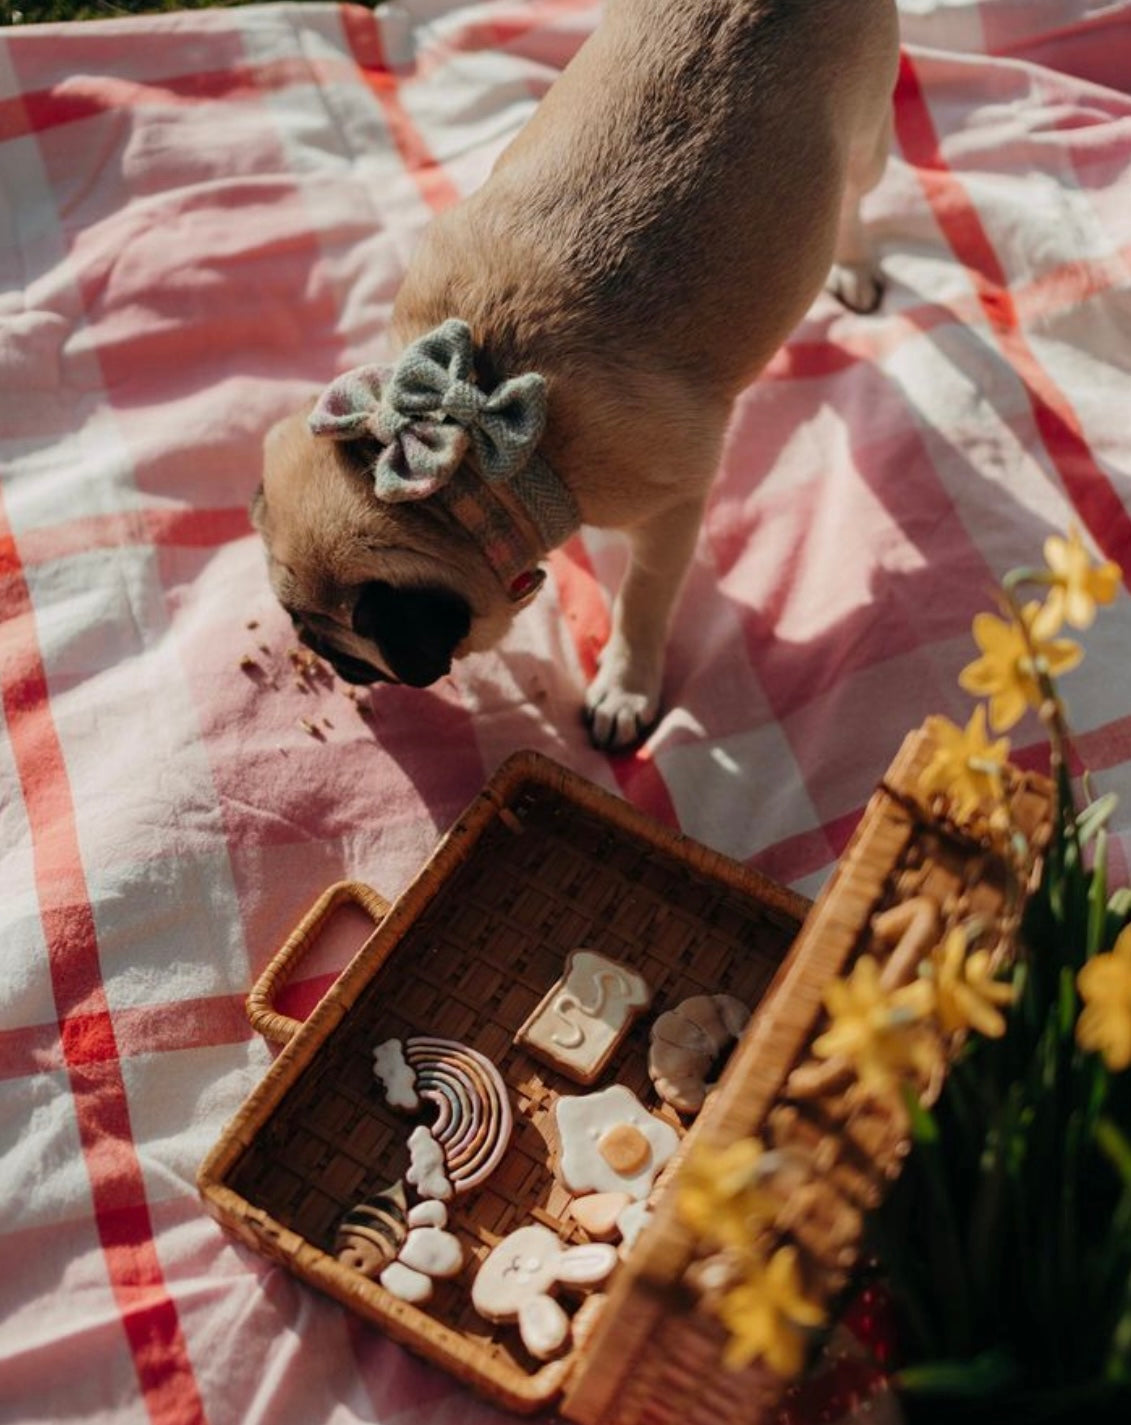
x=29 y=12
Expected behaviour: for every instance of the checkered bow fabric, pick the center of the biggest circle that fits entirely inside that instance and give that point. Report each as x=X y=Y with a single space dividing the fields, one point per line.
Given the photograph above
x=203 y=220
x=428 y=413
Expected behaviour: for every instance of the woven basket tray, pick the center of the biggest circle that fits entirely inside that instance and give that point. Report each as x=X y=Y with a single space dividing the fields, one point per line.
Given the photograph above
x=541 y=862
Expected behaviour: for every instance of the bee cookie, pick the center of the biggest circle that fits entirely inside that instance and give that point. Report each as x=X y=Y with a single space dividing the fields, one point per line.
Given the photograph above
x=403 y=1248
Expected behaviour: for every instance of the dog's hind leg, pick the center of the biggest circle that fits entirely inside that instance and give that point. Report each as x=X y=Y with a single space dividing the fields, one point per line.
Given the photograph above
x=623 y=700
x=854 y=278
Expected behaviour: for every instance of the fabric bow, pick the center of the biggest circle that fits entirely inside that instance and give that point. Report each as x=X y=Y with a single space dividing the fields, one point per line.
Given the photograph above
x=428 y=415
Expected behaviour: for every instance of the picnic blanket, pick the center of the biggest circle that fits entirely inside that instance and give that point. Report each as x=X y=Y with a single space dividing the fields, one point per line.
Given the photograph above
x=204 y=217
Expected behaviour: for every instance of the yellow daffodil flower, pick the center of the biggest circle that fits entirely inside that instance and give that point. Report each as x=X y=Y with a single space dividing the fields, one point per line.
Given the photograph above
x=879 y=1031
x=721 y=1198
x=1078 y=585
x=1104 y=1025
x=965 y=765
x=966 y=994
x=766 y=1315
x=1005 y=673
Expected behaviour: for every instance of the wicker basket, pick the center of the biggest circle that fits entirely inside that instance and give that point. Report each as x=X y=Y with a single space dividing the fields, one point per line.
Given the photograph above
x=541 y=863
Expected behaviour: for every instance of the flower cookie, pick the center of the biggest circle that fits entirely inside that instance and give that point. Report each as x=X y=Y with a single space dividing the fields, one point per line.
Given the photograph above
x=609 y=1142
x=519 y=1274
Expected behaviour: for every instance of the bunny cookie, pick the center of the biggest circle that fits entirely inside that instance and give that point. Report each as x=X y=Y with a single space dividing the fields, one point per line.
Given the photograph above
x=516 y=1279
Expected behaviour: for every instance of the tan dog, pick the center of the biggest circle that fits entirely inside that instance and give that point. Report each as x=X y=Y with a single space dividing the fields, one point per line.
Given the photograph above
x=644 y=245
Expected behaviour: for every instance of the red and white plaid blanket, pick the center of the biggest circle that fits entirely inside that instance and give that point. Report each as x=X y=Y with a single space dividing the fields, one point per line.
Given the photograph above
x=203 y=217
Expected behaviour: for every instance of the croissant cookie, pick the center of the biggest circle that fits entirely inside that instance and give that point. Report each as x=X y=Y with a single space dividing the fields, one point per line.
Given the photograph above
x=687 y=1041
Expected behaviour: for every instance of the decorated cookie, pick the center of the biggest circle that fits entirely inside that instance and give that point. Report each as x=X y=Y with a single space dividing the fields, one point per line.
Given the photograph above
x=473 y=1121
x=631 y=1222
x=432 y=1251
x=405 y=1284
x=609 y=1142
x=579 y=1023
x=371 y=1234
x=687 y=1041
x=518 y=1276
x=429 y=1213
x=426 y=1165
x=599 y=1213
x=403 y=1248
x=397 y=1076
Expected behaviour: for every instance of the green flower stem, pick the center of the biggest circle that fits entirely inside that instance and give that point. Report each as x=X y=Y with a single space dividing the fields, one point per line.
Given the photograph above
x=1016 y=577
x=1097 y=898
x=949 y=1258
x=1116 y=1149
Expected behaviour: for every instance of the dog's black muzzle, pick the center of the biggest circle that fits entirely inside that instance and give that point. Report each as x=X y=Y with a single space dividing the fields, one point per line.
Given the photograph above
x=350 y=670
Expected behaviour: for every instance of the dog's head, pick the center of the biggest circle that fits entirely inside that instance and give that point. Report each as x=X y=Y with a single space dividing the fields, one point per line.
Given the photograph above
x=385 y=593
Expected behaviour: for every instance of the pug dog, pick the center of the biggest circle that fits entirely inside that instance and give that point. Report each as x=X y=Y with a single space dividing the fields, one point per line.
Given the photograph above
x=570 y=339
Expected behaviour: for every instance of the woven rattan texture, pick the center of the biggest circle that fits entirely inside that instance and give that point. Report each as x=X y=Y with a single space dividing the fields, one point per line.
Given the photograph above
x=546 y=877
x=664 y=1368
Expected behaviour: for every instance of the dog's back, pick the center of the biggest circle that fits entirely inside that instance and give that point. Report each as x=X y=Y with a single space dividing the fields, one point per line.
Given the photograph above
x=642 y=248
x=675 y=196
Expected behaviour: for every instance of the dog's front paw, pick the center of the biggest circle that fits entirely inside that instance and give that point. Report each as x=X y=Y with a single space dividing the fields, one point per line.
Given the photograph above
x=621 y=706
x=856 y=285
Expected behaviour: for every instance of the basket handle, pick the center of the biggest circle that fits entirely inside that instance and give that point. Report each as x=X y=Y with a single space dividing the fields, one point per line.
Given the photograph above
x=260 y=1006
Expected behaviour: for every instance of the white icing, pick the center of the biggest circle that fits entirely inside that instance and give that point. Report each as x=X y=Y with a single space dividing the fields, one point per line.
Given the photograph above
x=520 y=1267
x=426 y=1169
x=405 y=1283
x=583 y=1119
x=432 y=1251
x=587 y=1264
x=543 y=1326
x=583 y=1017
x=397 y=1076
x=431 y=1213
x=632 y=1221
x=518 y=1275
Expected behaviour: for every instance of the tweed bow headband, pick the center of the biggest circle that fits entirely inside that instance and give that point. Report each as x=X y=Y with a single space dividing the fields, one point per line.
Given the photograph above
x=429 y=415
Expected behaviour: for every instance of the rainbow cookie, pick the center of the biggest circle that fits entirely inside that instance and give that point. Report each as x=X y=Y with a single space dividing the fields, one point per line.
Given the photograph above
x=473 y=1121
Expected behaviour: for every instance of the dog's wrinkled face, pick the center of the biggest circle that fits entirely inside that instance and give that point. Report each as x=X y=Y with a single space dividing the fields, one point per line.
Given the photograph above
x=383 y=593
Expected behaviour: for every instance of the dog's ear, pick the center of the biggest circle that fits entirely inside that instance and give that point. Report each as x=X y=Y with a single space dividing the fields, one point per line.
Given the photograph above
x=417 y=630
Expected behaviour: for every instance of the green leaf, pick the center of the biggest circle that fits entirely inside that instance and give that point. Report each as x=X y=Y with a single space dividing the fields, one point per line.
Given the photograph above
x=1097 y=899
x=1067 y=1004
x=1095 y=817
x=1115 y=1147
x=924 y=1128
x=986 y=1374
x=1117 y=1368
